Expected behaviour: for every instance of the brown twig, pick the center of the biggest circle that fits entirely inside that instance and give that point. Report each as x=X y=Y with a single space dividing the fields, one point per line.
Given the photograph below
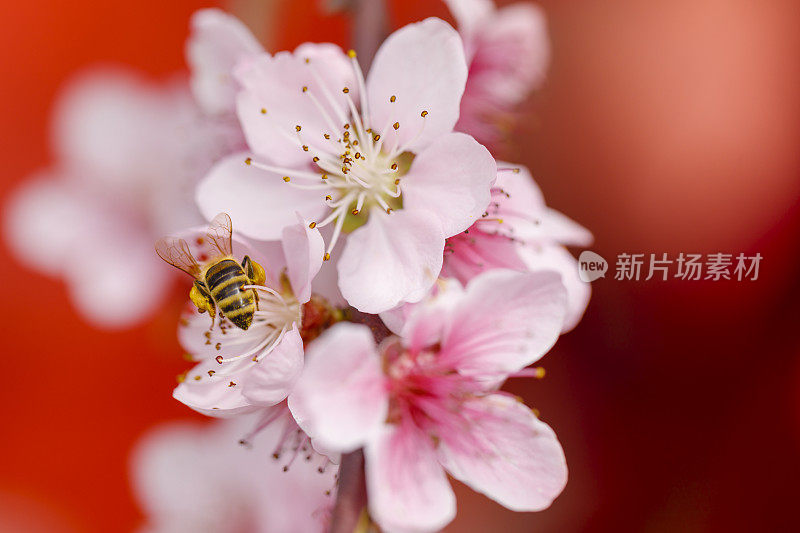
x=351 y=496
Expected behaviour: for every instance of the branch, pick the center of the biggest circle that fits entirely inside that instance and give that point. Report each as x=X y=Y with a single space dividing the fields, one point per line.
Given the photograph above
x=351 y=496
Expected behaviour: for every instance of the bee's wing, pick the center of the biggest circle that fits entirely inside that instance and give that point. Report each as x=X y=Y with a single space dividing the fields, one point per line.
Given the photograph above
x=176 y=252
x=219 y=234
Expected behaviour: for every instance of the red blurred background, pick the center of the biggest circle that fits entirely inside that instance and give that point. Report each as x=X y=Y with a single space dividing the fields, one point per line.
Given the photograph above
x=665 y=126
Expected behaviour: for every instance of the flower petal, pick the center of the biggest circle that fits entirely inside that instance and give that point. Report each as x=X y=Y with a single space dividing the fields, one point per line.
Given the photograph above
x=303 y=248
x=469 y=254
x=115 y=280
x=427 y=322
x=406 y=486
x=271 y=379
x=218 y=41
x=522 y=192
x=559 y=259
x=167 y=476
x=34 y=222
x=104 y=124
x=340 y=399
x=506 y=321
x=511 y=53
x=469 y=13
x=445 y=292
x=259 y=202
x=562 y=229
x=527 y=213
x=422 y=65
x=394 y=257
x=513 y=458
x=273 y=101
x=452 y=179
x=218 y=393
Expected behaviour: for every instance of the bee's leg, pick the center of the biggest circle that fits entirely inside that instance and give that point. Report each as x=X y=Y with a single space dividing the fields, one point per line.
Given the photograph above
x=254 y=271
x=202 y=299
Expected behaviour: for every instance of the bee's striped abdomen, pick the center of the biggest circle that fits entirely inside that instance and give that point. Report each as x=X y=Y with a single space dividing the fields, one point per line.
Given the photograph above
x=224 y=281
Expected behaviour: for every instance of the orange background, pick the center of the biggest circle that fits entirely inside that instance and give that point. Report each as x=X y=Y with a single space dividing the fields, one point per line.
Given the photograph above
x=663 y=127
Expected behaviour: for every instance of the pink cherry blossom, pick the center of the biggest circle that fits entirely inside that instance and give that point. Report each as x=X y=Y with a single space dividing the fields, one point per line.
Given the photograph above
x=128 y=154
x=520 y=232
x=218 y=42
x=197 y=478
x=508 y=53
x=375 y=158
x=426 y=402
x=242 y=371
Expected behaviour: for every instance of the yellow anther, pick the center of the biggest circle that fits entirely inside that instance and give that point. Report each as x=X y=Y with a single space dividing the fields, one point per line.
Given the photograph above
x=263 y=111
x=315 y=159
x=324 y=176
x=376 y=138
x=328 y=197
x=326 y=135
x=539 y=372
x=231 y=384
x=298 y=128
x=396 y=125
x=198 y=378
x=347 y=127
x=312 y=225
x=392 y=98
x=354 y=211
x=423 y=114
x=515 y=170
x=351 y=53
x=211 y=373
x=305 y=88
x=397 y=181
x=248 y=160
x=345 y=90
x=358 y=155
x=307 y=60
x=389 y=210
x=326 y=257
x=287 y=179
x=394 y=166
x=305 y=148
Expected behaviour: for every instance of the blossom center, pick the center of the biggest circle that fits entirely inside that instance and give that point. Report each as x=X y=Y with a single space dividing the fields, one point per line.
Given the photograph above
x=276 y=315
x=423 y=389
x=352 y=165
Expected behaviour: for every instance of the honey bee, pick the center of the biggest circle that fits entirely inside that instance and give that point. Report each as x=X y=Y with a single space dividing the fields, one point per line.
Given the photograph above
x=219 y=282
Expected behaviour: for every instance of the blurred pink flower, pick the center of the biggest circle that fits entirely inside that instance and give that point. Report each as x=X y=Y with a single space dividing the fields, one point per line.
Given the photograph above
x=348 y=165
x=518 y=231
x=508 y=52
x=426 y=402
x=242 y=371
x=128 y=155
x=196 y=478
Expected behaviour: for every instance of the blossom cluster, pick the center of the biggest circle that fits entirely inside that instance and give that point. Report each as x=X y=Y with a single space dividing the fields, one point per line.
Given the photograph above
x=370 y=277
